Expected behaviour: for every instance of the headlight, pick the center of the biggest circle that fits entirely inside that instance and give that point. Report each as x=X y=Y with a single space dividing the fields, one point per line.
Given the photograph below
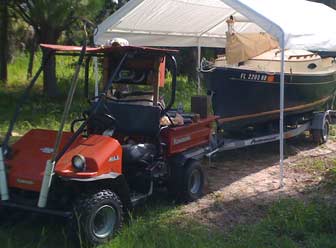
x=78 y=162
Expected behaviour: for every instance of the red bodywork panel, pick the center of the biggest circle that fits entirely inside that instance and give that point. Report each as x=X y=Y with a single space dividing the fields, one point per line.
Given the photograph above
x=108 y=49
x=182 y=138
x=26 y=167
x=162 y=72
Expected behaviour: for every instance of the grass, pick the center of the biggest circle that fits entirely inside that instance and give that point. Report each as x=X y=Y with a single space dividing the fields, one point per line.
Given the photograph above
x=316 y=164
x=332 y=131
x=289 y=223
x=324 y=167
x=38 y=111
x=165 y=227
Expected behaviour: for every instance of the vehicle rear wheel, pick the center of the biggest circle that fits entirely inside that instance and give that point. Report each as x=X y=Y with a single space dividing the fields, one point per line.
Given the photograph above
x=193 y=181
x=320 y=136
x=98 y=217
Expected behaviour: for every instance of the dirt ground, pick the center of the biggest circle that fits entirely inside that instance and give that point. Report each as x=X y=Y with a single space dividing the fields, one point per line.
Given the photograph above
x=243 y=183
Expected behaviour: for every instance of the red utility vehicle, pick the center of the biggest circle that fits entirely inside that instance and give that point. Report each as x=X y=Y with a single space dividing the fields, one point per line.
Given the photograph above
x=115 y=155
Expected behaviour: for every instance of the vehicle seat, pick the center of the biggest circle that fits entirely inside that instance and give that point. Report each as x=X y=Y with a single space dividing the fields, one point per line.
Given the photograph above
x=137 y=97
x=141 y=100
x=134 y=119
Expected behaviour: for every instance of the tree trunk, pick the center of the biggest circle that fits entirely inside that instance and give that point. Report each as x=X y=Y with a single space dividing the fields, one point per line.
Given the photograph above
x=32 y=50
x=3 y=40
x=50 y=88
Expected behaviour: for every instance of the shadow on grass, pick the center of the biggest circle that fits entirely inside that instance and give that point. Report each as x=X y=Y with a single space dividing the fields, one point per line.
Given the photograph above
x=24 y=229
x=288 y=223
x=155 y=224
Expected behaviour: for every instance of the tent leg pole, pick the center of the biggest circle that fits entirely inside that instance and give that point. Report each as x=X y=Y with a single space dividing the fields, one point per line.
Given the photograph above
x=95 y=62
x=199 y=69
x=282 y=94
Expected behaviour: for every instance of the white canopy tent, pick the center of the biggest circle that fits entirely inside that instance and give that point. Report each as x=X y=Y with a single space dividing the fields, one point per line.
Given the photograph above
x=297 y=24
x=185 y=23
x=171 y=23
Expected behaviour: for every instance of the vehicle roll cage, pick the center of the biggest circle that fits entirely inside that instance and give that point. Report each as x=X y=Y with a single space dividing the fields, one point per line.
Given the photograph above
x=85 y=55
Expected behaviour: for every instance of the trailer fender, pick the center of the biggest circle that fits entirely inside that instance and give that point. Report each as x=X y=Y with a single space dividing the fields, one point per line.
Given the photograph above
x=180 y=159
x=319 y=120
x=178 y=165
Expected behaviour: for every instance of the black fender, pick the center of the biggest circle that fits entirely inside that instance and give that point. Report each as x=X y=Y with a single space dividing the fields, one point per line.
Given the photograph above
x=115 y=181
x=179 y=162
x=107 y=176
x=181 y=158
x=319 y=119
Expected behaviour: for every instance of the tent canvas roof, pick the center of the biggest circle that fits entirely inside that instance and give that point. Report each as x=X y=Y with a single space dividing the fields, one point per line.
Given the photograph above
x=181 y=23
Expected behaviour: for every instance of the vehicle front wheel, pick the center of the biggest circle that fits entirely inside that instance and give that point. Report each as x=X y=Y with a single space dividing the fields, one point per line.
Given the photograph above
x=98 y=217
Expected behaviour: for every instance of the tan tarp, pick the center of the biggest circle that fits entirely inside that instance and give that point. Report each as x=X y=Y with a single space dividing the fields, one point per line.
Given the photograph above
x=241 y=47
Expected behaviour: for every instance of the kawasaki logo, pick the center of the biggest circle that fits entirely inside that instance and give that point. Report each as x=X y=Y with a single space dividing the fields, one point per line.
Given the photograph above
x=23 y=181
x=114 y=158
x=47 y=150
x=182 y=140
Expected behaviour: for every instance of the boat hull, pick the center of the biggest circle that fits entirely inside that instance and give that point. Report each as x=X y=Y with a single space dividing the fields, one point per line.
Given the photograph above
x=247 y=97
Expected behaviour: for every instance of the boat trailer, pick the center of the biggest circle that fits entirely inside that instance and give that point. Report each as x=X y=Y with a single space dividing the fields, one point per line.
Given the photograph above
x=318 y=126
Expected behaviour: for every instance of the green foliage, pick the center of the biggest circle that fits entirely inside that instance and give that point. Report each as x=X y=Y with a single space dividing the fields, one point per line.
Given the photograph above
x=19 y=230
x=51 y=18
x=184 y=90
x=94 y=10
x=165 y=227
x=300 y=221
x=290 y=223
x=56 y=15
x=39 y=111
x=323 y=167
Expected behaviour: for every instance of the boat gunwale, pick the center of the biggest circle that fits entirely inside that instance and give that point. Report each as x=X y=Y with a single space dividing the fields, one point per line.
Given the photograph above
x=290 y=109
x=326 y=73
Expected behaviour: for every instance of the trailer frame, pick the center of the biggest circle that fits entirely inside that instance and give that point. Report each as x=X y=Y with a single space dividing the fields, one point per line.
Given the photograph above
x=316 y=123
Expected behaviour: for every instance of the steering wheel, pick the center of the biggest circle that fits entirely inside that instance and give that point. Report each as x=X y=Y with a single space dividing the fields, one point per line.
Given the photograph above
x=133 y=77
x=101 y=122
x=74 y=122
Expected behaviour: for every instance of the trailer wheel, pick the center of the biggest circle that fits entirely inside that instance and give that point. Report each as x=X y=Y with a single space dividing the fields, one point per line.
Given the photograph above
x=320 y=136
x=193 y=181
x=98 y=217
